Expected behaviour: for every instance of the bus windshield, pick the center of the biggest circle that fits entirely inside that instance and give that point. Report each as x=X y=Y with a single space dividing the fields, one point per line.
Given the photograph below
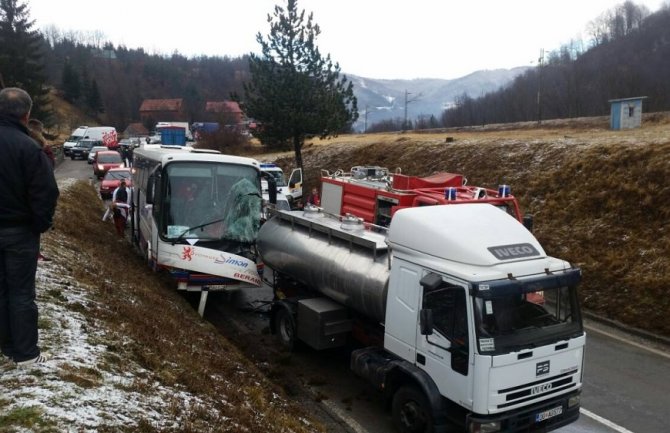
x=211 y=201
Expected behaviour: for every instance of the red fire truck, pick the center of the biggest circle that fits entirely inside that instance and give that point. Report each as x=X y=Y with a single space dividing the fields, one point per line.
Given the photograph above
x=374 y=194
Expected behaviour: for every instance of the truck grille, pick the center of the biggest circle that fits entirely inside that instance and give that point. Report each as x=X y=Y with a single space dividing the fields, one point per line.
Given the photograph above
x=537 y=389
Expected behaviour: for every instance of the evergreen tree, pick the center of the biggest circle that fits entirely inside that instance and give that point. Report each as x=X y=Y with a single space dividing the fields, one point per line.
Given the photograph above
x=93 y=98
x=20 y=56
x=71 y=84
x=295 y=92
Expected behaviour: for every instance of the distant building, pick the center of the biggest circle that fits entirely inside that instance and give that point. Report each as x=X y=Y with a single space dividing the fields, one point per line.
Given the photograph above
x=226 y=112
x=163 y=110
x=135 y=130
x=626 y=113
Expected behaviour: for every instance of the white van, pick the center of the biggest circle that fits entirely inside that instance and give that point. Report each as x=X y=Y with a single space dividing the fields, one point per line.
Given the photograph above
x=106 y=134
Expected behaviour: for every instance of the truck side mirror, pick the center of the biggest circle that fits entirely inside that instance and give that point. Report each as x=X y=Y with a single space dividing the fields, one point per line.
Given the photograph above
x=528 y=222
x=426 y=321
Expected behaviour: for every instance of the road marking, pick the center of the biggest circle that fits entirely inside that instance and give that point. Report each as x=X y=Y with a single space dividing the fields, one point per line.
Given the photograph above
x=604 y=421
x=356 y=427
x=632 y=343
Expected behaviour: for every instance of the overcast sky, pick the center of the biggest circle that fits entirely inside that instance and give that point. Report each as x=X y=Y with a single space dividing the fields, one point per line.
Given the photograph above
x=371 y=38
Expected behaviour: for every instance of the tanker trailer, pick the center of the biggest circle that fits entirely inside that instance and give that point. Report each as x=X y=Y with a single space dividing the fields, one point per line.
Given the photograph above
x=447 y=301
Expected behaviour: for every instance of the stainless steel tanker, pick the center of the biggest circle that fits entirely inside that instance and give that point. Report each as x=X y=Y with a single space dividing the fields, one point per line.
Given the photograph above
x=337 y=257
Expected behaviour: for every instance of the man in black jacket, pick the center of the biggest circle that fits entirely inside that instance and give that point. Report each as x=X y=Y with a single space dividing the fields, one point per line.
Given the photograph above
x=28 y=195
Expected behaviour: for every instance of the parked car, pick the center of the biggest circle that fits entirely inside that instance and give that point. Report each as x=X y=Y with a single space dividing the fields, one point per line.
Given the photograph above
x=82 y=148
x=106 y=160
x=112 y=179
x=93 y=151
x=129 y=142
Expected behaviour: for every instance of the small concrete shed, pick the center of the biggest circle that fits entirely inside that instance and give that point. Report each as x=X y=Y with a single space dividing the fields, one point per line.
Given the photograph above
x=626 y=113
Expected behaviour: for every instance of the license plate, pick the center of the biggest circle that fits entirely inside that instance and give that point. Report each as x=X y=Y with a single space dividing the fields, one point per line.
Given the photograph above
x=539 y=417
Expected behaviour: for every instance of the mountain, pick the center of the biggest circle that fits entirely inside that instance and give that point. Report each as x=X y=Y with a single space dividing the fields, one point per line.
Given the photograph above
x=385 y=99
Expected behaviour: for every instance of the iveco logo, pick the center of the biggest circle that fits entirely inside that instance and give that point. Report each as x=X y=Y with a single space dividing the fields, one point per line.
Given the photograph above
x=540 y=389
x=514 y=251
x=542 y=368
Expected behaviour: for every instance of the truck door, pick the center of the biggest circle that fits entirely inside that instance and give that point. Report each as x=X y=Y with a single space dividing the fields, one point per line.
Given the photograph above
x=295 y=184
x=445 y=352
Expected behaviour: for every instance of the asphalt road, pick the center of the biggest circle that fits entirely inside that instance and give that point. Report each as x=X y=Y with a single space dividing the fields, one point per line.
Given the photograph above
x=626 y=379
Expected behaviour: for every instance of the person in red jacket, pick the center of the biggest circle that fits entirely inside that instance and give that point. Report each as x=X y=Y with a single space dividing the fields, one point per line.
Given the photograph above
x=313 y=198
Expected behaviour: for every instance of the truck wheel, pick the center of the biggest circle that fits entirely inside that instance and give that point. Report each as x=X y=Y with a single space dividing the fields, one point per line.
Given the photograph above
x=411 y=412
x=285 y=326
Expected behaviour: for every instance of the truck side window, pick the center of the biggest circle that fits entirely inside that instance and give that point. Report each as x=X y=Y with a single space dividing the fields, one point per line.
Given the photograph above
x=450 y=319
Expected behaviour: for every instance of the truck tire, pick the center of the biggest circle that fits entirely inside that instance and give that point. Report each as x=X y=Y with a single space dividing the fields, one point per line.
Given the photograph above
x=285 y=326
x=411 y=411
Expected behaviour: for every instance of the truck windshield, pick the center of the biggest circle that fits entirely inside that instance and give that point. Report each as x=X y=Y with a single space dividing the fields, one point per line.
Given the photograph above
x=211 y=201
x=511 y=322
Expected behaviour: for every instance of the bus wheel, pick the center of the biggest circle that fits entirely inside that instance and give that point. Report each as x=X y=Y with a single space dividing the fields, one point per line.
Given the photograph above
x=411 y=412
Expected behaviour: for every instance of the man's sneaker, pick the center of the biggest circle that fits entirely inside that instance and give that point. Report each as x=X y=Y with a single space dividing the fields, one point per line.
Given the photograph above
x=40 y=359
x=42 y=258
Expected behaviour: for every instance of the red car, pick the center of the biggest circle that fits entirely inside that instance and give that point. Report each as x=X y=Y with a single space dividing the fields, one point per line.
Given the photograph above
x=106 y=160
x=112 y=179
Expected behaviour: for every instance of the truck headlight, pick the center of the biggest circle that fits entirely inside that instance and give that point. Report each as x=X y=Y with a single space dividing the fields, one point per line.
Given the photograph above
x=574 y=400
x=484 y=427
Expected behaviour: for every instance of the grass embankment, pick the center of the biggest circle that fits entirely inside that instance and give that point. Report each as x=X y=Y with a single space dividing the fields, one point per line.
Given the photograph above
x=150 y=338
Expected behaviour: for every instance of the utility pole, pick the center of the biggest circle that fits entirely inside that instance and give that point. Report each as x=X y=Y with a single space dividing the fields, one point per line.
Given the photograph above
x=539 y=86
x=404 y=125
x=408 y=101
x=365 y=129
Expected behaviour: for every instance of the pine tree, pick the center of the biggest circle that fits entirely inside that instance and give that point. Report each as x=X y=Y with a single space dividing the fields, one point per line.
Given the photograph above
x=21 y=57
x=71 y=84
x=294 y=91
x=93 y=98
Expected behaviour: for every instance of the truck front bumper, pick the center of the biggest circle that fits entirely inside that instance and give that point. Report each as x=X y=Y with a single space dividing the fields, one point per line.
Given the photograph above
x=546 y=416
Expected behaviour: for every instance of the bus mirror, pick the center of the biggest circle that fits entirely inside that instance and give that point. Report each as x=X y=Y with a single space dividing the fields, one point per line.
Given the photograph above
x=272 y=186
x=151 y=186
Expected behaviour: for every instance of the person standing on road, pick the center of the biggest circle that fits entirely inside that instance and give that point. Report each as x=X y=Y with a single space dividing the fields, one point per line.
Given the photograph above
x=29 y=193
x=120 y=207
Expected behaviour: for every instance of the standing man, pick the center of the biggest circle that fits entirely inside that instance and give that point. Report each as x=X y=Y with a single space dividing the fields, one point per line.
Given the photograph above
x=121 y=200
x=28 y=195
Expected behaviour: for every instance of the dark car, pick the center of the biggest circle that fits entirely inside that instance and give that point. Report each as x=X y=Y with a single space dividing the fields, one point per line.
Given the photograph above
x=81 y=149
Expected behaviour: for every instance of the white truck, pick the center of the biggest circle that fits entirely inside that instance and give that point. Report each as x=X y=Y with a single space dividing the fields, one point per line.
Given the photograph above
x=287 y=193
x=106 y=134
x=464 y=319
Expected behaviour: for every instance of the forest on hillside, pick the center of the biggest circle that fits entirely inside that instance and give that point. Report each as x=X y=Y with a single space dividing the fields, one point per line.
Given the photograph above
x=628 y=55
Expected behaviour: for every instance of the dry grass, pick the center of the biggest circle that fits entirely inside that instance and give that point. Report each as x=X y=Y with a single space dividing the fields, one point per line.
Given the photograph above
x=154 y=326
x=600 y=198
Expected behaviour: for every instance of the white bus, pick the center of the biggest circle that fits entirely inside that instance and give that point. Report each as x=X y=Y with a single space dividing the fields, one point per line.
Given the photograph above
x=196 y=214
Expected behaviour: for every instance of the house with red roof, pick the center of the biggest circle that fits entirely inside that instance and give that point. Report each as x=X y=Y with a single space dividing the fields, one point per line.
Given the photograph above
x=224 y=112
x=163 y=110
